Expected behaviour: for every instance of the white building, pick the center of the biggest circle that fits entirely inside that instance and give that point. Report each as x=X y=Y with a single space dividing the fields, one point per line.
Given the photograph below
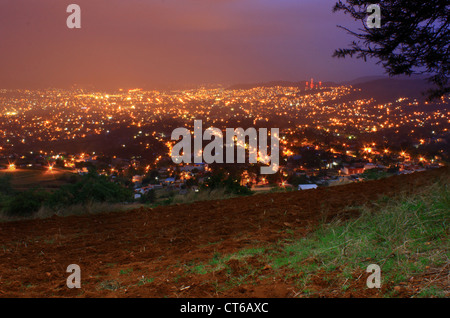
x=307 y=186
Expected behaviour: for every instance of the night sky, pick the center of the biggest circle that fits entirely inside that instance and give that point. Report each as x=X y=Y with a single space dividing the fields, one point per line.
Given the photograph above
x=155 y=43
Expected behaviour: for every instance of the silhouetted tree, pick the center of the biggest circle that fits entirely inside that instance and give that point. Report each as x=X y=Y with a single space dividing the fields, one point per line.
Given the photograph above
x=414 y=38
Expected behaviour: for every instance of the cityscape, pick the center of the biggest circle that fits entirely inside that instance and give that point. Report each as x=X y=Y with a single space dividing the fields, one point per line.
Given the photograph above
x=327 y=134
x=224 y=156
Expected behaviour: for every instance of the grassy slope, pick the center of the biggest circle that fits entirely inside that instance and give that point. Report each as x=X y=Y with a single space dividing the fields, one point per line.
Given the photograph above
x=408 y=237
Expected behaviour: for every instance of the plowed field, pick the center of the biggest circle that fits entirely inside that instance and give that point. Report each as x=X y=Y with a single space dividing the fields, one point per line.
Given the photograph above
x=142 y=253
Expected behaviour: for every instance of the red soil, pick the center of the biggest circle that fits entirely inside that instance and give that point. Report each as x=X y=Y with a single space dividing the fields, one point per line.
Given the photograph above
x=115 y=250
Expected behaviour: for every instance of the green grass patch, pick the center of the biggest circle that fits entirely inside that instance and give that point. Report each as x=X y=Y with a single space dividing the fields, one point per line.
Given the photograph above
x=145 y=280
x=432 y=291
x=126 y=271
x=405 y=236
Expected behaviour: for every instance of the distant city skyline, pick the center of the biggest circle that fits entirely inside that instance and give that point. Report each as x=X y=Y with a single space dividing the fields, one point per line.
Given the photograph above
x=159 y=43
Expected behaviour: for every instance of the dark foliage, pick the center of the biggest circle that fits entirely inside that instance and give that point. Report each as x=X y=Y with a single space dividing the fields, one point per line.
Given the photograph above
x=83 y=190
x=5 y=184
x=149 y=197
x=414 y=38
x=91 y=188
x=230 y=184
x=27 y=202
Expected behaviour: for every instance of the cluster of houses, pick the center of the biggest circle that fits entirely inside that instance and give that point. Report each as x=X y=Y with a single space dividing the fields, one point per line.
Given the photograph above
x=186 y=172
x=337 y=172
x=359 y=168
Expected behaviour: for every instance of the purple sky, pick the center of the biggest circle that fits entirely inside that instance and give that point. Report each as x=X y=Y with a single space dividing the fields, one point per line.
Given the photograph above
x=139 y=43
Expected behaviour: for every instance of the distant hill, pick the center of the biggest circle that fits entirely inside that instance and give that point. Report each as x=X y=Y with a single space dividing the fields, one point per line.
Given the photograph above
x=381 y=88
x=363 y=79
x=389 y=89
